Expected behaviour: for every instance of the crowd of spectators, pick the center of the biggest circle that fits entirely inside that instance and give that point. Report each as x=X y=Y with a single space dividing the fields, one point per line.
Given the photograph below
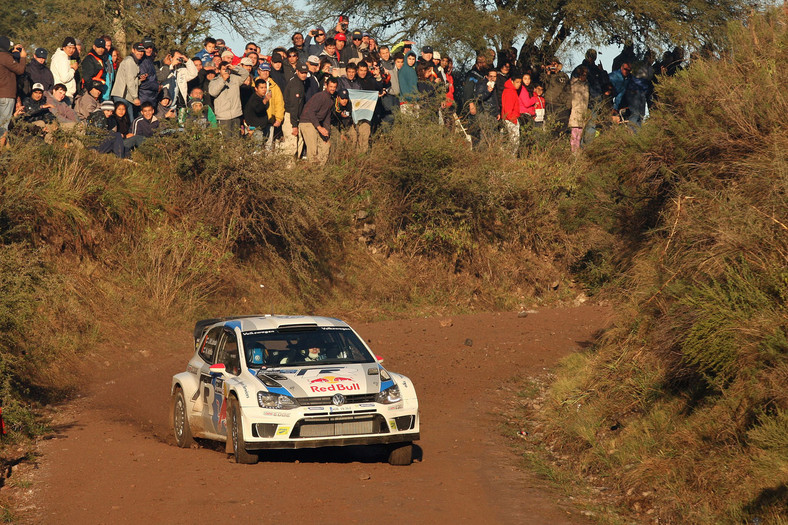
x=301 y=99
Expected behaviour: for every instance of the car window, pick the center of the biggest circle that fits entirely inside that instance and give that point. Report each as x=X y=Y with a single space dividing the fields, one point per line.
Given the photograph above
x=228 y=353
x=330 y=345
x=211 y=341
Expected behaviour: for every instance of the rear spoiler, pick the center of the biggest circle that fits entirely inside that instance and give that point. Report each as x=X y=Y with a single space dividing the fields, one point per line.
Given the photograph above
x=201 y=326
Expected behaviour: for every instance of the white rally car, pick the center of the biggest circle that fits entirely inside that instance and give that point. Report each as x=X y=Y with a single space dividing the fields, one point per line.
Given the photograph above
x=283 y=382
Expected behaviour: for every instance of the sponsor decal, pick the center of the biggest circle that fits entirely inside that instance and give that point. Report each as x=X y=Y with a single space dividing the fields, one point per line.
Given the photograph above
x=269 y=413
x=398 y=406
x=369 y=405
x=331 y=379
x=282 y=431
x=339 y=409
x=339 y=387
x=393 y=425
x=192 y=369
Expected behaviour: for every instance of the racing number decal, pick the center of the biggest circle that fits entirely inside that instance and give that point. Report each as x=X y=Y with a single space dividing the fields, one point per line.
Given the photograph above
x=214 y=403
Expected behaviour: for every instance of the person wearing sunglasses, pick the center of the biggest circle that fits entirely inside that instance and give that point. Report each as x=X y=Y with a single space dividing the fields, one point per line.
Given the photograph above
x=319 y=36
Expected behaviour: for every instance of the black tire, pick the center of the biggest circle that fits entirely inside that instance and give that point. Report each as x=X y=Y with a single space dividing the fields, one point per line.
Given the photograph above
x=401 y=455
x=235 y=428
x=180 y=420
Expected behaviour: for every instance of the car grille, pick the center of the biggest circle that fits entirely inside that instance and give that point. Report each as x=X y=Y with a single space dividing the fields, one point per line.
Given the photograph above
x=326 y=400
x=340 y=426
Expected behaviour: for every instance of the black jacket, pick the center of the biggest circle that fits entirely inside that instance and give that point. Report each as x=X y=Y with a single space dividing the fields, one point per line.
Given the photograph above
x=294 y=99
x=40 y=74
x=256 y=112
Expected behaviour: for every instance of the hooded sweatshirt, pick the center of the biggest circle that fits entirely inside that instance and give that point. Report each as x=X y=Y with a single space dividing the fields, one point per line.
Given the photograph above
x=408 y=82
x=510 y=102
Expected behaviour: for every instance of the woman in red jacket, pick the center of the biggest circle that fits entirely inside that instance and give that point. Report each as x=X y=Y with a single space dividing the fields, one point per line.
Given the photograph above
x=510 y=110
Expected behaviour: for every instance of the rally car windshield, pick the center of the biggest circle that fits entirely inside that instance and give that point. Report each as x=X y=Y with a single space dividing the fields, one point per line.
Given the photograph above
x=318 y=345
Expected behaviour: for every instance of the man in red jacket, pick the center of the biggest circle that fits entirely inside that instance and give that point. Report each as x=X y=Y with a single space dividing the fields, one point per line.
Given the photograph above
x=9 y=69
x=510 y=110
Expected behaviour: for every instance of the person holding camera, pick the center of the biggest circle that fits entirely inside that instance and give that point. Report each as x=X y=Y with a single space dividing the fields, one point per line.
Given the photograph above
x=557 y=91
x=319 y=36
x=9 y=69
x=226 y=92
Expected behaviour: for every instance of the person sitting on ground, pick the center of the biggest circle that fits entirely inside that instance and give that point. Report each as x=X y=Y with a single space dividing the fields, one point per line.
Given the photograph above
x=199 y=113
x=89 y=101
x=56 y=98
x=122 y=120
x=35 y=108
x=101 y=124
x=143 y=126
x=164 y=109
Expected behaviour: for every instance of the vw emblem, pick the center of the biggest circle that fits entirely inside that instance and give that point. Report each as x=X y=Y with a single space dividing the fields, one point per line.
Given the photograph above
x=338 y=399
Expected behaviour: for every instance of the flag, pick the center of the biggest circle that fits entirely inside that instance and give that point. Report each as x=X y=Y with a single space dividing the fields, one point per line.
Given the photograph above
x=363 y=103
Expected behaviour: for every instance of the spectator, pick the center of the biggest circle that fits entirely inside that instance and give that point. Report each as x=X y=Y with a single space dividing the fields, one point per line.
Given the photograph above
x=198 y=113
x=122 y=120
x=597 y=76
x=301 y=50
x=143 y=126
x=88 y=102
x=557 y=92
x=127 y=81
x=315 y=123
x=408 y=80
x=36 y=110
x=93 y=71
x=225 y=89
x=64 y=66
x=9 y=69
x=620 y=80
x=474 y=78
x=350 y=80
x=164 y=111
x=37 y=70
x=580 y=100
x=66 y=116
x=345 y=52
x=209 y=48
x=527 y=100
x=256 y=112
x=510 y=110
x=294 y=105
x=330 y=53
x=102 y=125
x=110 y=67
x=293 y=58
x=312 y=84
x=540 y=106
x=344 y=136
x=627 y=55
x=485 y=95
x=319 y=36
x=149 y=84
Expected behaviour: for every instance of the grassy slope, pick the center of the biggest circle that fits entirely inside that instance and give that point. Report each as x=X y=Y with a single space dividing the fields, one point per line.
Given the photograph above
x=682 y=408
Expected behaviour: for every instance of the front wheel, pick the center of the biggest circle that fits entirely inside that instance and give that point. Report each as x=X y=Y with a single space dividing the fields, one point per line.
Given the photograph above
x=235 y=428
x=180 y=420
x=401 y=454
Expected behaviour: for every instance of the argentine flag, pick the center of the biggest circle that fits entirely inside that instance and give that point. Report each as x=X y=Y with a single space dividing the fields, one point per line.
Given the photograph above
x=363 y=104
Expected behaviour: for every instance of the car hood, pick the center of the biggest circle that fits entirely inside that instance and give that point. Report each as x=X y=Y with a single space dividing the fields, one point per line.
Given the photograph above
x=320 y=381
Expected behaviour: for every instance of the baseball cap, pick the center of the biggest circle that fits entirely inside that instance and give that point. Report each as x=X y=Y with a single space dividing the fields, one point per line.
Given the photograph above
x=41 y=53
x=313 y=59
x=107 y=105
x=342 y=93
x=364 y=34
x=265 y=66
x=357 y=35
x=99 y=42
x=340 y=36
x=147 y=42
x=301 y=68
x=436 y=55
x=138 y=47
x=246 y=61
x=227 y=53
x=69 y=41
x=426 y=49
x=38 y=86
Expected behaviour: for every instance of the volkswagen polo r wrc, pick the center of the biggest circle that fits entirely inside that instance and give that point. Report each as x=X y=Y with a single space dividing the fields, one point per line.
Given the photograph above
x=285 y=382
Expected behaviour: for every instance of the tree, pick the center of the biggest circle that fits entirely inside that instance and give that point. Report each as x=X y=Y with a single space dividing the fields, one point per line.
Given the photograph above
x=543 y=25
x=171 y=23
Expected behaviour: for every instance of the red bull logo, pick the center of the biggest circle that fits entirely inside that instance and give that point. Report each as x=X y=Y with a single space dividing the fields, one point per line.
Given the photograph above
x=339 y=387
x=331 y=379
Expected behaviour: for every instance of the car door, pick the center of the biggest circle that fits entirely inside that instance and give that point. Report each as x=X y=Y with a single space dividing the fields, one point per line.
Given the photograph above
x=227 y=353
x=204 y=397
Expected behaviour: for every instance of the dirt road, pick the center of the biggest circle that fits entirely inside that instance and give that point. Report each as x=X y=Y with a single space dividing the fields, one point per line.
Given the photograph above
x=113 y=460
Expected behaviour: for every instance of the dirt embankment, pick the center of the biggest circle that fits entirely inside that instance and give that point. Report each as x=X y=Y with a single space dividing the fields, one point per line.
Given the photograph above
x=112 y=459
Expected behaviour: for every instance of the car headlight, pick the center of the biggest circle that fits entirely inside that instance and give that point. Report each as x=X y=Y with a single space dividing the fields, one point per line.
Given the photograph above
x=389 y=396
x=278 y=401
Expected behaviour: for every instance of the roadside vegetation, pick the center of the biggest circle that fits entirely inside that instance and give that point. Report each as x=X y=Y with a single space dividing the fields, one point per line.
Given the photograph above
x=682 y=407
x=680 y=410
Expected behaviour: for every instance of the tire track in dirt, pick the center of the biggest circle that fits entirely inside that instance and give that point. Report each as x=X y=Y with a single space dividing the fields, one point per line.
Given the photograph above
x=112 y=459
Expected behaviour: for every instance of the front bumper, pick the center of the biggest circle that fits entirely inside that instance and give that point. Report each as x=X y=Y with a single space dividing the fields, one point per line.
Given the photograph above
x=312 y=427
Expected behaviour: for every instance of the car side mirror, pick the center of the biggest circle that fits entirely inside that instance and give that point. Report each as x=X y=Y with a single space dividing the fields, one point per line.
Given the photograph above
x=218 y=369
x=379 y=358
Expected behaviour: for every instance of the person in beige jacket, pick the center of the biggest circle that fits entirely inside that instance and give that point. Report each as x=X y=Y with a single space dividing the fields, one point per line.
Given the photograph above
x=579 y=115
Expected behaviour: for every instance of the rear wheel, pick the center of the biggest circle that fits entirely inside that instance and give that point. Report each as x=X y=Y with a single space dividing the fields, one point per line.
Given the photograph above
x=236 y=436
x=401 y=454
x=180 y=420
